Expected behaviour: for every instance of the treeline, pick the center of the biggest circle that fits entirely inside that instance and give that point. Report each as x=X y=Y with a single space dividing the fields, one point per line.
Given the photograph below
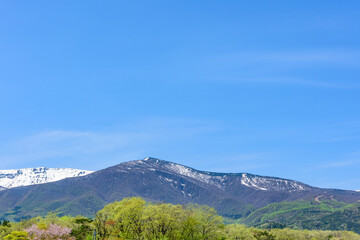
x=329 y=215
x=134 y=218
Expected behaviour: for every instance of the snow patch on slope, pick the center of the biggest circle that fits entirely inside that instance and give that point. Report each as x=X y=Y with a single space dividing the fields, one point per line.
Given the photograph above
x=185 y=171
x=269 y=183
x=30 y=176
x=252 y=182
x=200 y=176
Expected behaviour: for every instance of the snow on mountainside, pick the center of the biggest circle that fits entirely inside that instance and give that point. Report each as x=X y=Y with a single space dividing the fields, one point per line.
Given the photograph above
x=30 y=176
x=222 y=180
x=271 y=183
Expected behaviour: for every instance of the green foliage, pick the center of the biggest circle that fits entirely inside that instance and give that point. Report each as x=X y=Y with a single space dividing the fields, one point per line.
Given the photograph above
x=233 y=209
x=290 y=234
x=17 y=235
x=260 y=234
x=163 y=221
x=5 y=223
x=325 y=215
x=238 y=231
x=37 y=205
x=134 y=218
x=209 y=223
x=82 y=229
x=4 y=231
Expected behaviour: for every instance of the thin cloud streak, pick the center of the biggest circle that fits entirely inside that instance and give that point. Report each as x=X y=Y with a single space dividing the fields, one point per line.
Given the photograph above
x=296 y=81
x=346 y=163
x=343 y=58
x=53 y=145
x=282 y=67
x=332 y=57
x=245 y=162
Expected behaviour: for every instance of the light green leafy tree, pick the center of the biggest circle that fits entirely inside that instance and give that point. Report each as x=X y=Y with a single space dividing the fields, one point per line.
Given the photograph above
x=17 y=235
x=238 y=231
x=209 y=223
x=122 y=219
x=163 y=221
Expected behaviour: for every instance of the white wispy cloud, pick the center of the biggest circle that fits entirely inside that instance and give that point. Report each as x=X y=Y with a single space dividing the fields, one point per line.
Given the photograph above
x=296 y=81
x=344 y=163
x=337 y=57
x=282 y=67
x=348 y=58
x=66 y=144
x=349 y=160
x=244 y=162
x=343 y=139
x=92 y=146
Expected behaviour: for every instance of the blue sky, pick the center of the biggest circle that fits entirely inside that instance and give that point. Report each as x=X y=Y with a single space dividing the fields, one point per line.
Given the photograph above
x=266 y=87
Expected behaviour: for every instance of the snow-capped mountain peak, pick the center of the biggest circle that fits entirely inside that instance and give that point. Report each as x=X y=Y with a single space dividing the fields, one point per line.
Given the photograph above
x=30 y=176
x=221 y=180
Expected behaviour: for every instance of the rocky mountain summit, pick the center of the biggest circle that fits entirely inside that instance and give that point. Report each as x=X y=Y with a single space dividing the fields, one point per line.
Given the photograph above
x=220 y=180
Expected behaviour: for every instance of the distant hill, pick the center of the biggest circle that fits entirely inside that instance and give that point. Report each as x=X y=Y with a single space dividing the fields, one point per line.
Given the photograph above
x=324 y=215
x=234 y=195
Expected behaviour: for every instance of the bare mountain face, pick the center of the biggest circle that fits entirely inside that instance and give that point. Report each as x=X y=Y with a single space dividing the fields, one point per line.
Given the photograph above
x=232 y=194
x=31 y=176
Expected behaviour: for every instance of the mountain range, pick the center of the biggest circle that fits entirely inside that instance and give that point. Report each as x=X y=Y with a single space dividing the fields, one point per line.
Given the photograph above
x=235 y=195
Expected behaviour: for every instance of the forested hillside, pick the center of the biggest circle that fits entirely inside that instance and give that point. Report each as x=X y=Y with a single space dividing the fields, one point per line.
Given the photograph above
x=325 y=215
x=134 y=218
